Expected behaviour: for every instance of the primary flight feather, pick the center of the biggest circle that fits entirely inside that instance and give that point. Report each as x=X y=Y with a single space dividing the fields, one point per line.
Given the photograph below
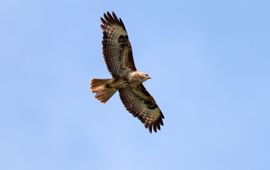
x=125 y=79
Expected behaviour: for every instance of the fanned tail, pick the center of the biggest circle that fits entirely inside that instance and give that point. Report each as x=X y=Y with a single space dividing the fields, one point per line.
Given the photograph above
x=102 y=89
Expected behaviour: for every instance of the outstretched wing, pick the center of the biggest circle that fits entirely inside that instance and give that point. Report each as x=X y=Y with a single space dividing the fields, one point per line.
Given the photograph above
x=142 y=105
x=117 y=49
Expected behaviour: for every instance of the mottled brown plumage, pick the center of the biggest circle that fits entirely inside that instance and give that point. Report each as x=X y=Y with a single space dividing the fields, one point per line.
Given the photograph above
x=126 y=79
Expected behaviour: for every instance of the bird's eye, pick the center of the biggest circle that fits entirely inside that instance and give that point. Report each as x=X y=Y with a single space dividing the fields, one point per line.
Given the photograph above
x=146 y=75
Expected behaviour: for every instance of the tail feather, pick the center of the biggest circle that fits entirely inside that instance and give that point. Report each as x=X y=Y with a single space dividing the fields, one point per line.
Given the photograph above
x=102 y=89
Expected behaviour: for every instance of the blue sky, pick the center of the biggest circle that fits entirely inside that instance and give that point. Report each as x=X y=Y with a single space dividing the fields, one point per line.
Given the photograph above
x=210 y=66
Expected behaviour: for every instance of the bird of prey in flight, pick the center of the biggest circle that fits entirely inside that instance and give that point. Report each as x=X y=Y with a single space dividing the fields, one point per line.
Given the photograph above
x=125 y=79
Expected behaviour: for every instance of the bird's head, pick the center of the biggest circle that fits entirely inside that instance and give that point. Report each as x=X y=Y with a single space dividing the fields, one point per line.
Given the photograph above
x=143 y=76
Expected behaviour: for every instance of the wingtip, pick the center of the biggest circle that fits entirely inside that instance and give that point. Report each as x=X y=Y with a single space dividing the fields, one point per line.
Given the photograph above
x=156 y=126
x=150 y=129
x=111 y=18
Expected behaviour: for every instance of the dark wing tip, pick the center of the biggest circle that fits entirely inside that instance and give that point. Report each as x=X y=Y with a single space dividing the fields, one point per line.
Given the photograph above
x=150 y=123
x=150 y=129
x=114 y=16
x=111 y=18
x=155 y=125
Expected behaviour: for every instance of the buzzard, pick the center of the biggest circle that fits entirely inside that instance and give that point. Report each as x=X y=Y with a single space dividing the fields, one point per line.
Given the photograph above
x=125 y=79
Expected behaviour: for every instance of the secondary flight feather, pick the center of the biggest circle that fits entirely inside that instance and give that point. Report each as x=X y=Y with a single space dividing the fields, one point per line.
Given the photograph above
x=117 y=52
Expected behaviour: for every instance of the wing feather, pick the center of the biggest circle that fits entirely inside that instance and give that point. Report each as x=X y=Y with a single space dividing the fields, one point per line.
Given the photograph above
x=117 y=49
x=142 y=105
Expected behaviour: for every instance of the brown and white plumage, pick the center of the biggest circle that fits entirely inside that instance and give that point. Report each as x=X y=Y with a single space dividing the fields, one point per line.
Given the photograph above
x=117 y=50
x=126 y=79
x=142 y=105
